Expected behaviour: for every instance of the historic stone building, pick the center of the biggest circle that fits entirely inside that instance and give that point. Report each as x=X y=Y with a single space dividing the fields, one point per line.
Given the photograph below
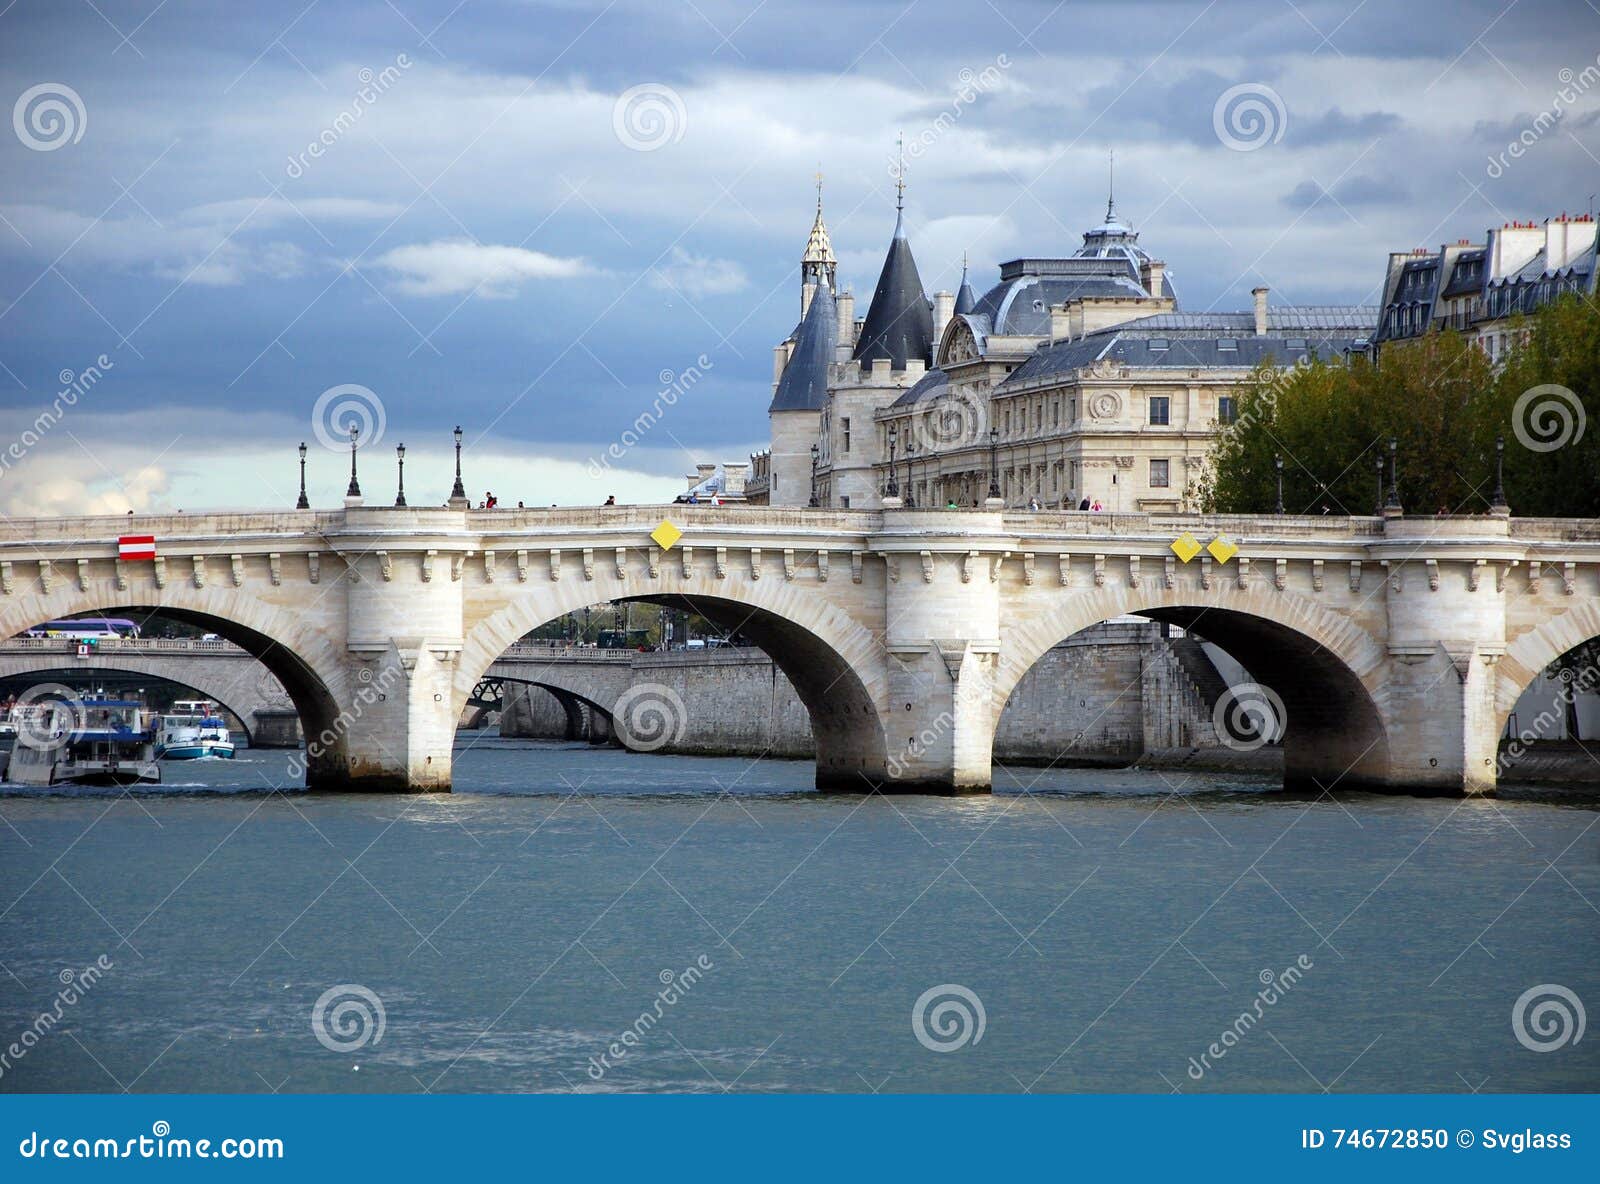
x=1480 y=288
x=1073 y=378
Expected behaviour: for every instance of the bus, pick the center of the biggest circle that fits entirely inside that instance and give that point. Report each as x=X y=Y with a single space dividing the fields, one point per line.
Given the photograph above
x=619 y=639
x=83 y=628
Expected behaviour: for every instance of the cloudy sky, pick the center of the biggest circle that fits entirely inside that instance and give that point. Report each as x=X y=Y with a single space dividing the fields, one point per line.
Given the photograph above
x=527 y=217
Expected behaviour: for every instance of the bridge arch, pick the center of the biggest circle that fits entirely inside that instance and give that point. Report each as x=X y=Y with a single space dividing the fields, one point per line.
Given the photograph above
x=1328 y=671
x=834 y=662
x=302 y=659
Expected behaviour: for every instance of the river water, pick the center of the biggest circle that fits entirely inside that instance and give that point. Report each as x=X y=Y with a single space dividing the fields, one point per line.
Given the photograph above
x=1086 y=931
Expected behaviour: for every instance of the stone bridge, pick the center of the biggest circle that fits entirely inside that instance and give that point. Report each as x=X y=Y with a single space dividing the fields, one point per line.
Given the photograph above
x=1398 y=646
x=217 y=670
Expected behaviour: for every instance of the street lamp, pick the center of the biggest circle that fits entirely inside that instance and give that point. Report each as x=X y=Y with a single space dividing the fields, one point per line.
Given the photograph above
x=1497 y=502
x=1278 y=462
x=1392 y=502
x=1378 y=505
x=400 y=456
x=894 y=487
x=994 y=463
x=304 y=503
x=355 y=488
x=815 y=452
x=458 y=494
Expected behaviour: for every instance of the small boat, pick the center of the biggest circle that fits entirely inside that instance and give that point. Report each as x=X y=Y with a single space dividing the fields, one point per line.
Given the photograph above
x=95 y=741
x=192 y=730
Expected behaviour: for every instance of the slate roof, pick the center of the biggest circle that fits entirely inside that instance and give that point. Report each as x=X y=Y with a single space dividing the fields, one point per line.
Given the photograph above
x=899 y=322
x=803 y=386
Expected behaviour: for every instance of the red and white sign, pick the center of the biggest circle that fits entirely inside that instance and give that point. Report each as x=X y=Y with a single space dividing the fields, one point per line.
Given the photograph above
x=136 y=546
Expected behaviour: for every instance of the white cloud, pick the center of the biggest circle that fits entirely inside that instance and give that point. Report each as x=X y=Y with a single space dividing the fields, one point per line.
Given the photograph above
x=697 y=276
x=40 y=491
x=448 y=267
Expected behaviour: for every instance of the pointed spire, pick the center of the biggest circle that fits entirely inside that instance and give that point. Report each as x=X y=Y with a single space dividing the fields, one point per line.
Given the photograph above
x=900 y=186
x=817 y=265
x=965 y=300
x=1111 y=185
x=899 y=321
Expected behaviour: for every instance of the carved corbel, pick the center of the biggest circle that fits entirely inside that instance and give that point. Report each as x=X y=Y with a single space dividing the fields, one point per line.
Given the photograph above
x=967 y=561
x=1501 y=572
x=1027 y=567
x=386 y=565
x=891 y=564
x=720 y=566
x=622 y=563
x=588 y=563
x=555 y=566
x=6 y=577
x=1569 y=578
x=119 y=568
x=236 y=562
x=1396 y=571
x=822 y=567
x=313 y=565
x=856 y=558
x=46 y=575
x=488 y=567
x=1355 y=575
x=274 y=567
x=522 y=567
x=199 y=562
x=687 y=558
x=160 y=563
x=927 y=566
x=1065 y=562
x=83 y=575
x=788 y=563
x=755 y=563
x=458 y=563
x=1316 y=575
x=1205 y=572
x=994 y=566
x=1099 y=571
x=652 y=562
x=1433 y=574
x=1169 y=574
x=1244 y=572
x=1475 y=574
x=1280 y=574
x=427 y=565
x=1535 y=571
x=1133 y=571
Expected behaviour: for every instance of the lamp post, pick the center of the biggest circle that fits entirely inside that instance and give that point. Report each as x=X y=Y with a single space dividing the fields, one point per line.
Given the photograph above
x=355 y=487
x=815 y=453
x=458 y=492
x=304 y=503
x=1392 y=502
x=1378 y=505
x=1278 y=463
x=1497 y=503
x=400 y=457
x=894 y=486
x=994 y=463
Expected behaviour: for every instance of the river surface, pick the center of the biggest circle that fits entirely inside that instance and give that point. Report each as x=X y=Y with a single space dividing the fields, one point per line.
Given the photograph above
x=1085 y=931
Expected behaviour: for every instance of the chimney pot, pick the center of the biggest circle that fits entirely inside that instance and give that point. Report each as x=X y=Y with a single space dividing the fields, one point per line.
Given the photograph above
x=1261 y=310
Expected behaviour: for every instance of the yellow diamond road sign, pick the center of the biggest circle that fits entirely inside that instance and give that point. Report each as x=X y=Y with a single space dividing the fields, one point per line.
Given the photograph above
x=1222 y=548
x=1185 y=547
x=665 y=535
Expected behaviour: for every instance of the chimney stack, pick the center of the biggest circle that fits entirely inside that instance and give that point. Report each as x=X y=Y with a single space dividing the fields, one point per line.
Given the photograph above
x=1152 y=272
x=944 y=307
x=1261 y=310
x=1060 y=323
x=846 y=335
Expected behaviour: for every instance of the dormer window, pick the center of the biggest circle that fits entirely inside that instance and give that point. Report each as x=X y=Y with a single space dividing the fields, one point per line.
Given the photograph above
x=1228 y=344
x=1157 y=343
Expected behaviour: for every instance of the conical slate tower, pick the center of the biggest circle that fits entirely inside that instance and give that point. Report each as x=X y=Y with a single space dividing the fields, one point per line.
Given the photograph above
x=965 y=300
x=803 y=385
x=899 y=324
